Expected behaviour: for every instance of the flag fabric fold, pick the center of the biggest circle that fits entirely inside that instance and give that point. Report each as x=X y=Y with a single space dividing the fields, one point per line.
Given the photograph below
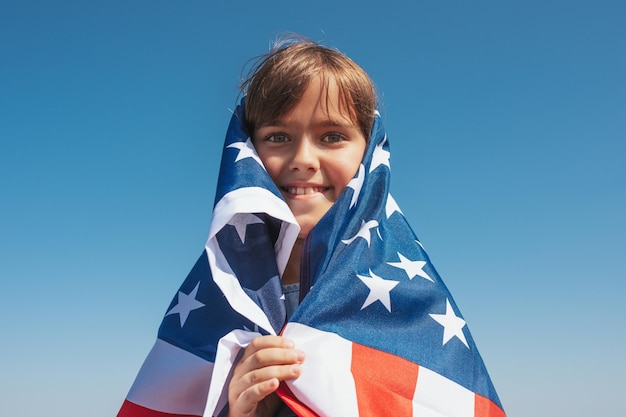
x=381 y=333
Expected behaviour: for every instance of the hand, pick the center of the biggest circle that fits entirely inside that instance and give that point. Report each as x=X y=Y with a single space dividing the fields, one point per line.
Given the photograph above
x=265 y=362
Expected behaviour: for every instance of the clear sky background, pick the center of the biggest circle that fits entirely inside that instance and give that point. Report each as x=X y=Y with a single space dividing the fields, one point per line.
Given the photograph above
x=507 y=125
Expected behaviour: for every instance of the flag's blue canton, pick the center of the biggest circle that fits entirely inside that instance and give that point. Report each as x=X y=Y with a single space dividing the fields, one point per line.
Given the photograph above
x=240 y=166
x=396 y=301
x=254 y=263
x=203 y=327
x=246 y=246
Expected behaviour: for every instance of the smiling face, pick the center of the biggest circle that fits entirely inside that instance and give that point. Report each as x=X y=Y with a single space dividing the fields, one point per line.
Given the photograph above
x=312 y=151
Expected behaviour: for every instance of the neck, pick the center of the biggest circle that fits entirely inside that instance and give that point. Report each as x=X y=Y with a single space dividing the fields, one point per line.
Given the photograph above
x=292 y=270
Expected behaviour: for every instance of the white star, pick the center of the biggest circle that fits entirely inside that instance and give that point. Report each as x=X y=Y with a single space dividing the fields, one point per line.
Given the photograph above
x=379 y=290
x=452 y=325
x=412 y=268
x=356 y=184
x=186 y=304
x=363 y=232
x=246 y=150
x=391 y=206
x=241 y=222
x=381 y=156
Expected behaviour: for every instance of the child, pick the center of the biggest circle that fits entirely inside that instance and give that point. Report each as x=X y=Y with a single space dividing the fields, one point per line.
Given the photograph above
x=309 y=129
x=303 y=202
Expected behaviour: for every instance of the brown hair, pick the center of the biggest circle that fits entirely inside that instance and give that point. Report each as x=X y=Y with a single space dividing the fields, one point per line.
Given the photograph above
x=279 y=79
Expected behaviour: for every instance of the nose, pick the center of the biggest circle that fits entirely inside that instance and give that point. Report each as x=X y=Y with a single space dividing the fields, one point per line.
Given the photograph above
x=304 y=157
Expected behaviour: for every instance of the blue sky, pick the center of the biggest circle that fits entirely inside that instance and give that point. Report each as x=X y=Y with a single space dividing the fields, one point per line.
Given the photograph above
x=507 y=130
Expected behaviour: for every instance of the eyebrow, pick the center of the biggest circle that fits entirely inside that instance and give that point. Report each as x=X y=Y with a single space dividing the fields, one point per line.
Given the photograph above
x=324 y=123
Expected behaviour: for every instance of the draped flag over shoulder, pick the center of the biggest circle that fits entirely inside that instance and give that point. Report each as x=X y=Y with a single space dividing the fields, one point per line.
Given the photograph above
x=381 y=333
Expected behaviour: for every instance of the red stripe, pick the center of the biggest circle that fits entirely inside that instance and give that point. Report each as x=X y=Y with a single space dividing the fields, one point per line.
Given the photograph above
x=130 y=409
x=383 y=382
x=484 y=407
x=288 y=398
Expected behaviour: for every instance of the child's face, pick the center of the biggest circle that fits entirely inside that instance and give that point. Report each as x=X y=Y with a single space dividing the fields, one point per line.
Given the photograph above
x=312 y=152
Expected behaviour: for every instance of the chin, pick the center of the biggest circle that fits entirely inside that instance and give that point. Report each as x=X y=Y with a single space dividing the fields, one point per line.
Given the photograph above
x=306 y=225
x=307 y=219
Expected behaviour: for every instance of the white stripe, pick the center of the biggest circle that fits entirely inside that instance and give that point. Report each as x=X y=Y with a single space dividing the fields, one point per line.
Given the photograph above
x=326 y=384
x=227 y=352
x=172 y=380
x=437 y=396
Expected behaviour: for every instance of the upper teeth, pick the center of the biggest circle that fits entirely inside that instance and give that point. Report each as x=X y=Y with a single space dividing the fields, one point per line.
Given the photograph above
x=302 y=190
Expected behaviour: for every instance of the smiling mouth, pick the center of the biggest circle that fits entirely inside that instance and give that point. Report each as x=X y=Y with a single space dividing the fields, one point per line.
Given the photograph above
x=304 y=190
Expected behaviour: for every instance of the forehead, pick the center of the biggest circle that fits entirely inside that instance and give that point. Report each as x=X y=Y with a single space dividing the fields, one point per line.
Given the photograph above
x=322 y=100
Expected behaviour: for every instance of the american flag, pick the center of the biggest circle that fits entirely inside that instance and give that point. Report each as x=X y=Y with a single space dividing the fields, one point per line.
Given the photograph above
x=381 y=332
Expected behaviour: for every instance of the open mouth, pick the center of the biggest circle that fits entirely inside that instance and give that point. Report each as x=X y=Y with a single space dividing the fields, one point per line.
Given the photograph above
x=304 y=190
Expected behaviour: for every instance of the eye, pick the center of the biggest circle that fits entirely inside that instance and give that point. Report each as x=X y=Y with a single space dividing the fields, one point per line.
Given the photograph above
x=277 y=138
x=333 y=138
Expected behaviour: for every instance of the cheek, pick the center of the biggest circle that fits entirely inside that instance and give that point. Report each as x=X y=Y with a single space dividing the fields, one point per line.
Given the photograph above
x=272 y=164
x=345 y=169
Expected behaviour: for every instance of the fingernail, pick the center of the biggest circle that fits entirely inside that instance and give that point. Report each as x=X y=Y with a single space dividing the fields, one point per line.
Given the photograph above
x=296 y=369
x=289 y=344
x=300 y=355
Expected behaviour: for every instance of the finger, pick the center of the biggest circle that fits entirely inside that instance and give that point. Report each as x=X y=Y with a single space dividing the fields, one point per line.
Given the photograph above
x=247 y=401
x=265 y=342
x=279 y=372
x=273 y=356
x=260 y=380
